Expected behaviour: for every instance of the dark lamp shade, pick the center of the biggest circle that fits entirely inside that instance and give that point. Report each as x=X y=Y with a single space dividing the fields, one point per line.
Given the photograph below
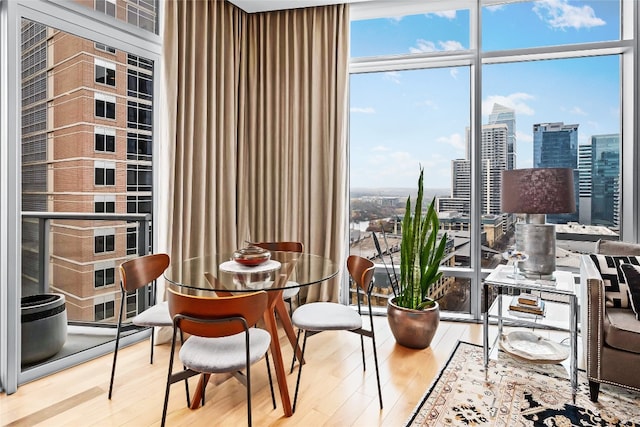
x=538 y=191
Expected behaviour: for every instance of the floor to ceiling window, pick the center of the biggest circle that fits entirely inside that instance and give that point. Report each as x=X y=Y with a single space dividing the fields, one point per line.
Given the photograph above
x=86 y=108
x=469 y=90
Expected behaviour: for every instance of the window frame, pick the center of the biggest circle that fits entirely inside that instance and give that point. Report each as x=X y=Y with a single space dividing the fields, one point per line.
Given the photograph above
x=101 y=70
x=104 y=174
x=104 y=243
x=107 y=201
x=102 y=104
x=104 y=304
x=89 y=24
x=108 y=136
x=105 y=274
x=627 y=47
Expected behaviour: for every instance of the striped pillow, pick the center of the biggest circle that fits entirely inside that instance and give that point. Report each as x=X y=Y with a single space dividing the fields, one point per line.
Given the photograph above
x=632 y=277
x=616 y=291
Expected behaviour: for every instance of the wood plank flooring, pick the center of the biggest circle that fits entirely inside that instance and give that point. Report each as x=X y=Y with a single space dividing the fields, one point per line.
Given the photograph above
x=334 y=389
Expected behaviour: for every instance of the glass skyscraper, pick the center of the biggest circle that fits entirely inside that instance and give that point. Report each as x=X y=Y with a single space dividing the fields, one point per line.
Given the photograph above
x=504 y=115
x=605 y=179
x=555 y=145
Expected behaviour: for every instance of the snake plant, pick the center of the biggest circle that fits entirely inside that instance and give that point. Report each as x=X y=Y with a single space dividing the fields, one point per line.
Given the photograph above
x=420 y=253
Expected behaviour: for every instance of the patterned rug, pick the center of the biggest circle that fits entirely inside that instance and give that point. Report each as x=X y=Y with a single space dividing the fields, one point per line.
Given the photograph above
x=517 y=394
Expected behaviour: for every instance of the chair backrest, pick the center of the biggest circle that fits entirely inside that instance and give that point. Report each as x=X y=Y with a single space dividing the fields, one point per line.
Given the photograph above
x=281 y=246
x=615 y=247
x=361 y=270
x=209 y=311
x=141 y=271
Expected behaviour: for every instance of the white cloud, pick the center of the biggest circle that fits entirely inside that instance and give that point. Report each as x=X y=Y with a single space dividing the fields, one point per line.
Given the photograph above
x=451 y=45
x=456 y=140
x=560 y=14
x=394 y=76
x=449 y=14
x=364 y=110
x=495 y=8
x=515 y=101
x=454 y=73
x=423 y=45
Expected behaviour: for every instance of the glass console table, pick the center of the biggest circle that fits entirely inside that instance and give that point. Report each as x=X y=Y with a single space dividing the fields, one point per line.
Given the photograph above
x=557 y=314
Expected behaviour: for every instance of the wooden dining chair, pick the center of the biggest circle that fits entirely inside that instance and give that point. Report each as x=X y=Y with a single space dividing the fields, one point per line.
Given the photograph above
x=292 y=290
x=135 y=274
x=315 y=317
x=222 y=338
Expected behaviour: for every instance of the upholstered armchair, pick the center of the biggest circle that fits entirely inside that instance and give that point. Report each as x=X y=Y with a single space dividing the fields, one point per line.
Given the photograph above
x=610 y=329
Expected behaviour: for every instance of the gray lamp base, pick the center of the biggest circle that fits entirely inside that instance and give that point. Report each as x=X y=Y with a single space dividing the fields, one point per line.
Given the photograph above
x=539 y=242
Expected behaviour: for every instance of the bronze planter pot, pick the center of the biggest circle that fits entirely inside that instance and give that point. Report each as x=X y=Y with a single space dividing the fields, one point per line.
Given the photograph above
x=413 y=328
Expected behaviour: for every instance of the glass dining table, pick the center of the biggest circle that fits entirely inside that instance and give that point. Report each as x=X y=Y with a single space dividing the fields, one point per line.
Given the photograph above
x=220 y=275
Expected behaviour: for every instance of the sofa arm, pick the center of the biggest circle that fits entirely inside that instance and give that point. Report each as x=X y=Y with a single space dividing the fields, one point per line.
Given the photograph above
x=592 y=315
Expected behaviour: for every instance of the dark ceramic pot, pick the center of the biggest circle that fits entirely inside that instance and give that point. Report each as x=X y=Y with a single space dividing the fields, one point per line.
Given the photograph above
x=44 y=326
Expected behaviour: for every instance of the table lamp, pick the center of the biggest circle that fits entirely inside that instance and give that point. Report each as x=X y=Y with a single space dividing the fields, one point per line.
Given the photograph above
x=536 y=192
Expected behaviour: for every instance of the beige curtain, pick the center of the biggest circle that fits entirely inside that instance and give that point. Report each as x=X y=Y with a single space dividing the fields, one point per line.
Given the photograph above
x=201 y=52
x=257 y=119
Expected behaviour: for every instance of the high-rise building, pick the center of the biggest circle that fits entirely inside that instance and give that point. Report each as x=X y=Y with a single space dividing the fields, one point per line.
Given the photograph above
x=494 y=154
x=505 y=115
x=605 y=180
x=460 y=200
x=555 y=145
x=87 y=113
x=494 y=161
x=584 y=183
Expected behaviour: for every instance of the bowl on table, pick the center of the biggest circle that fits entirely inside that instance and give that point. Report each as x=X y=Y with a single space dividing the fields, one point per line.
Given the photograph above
x=251 y=256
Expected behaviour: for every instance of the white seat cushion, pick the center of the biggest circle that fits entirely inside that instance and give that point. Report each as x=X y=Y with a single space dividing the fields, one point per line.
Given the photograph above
x=156 y=315
x=326 y=316
x=226 y=354
x=289 y=293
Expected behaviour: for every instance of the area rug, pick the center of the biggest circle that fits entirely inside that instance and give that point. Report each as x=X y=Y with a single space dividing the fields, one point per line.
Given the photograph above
x=517 y=394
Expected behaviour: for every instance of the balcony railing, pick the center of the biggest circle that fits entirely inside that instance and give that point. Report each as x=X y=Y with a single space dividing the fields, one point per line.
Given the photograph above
x=77 y=255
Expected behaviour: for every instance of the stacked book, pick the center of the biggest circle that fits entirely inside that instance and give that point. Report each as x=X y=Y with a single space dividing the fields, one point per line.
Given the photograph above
x=527 y=303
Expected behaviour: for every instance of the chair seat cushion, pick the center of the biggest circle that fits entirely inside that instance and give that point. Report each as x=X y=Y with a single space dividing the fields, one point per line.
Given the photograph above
x=621 y=329
x=156 y=315
x=226 y=354
x=290 y=292
x=326 y=316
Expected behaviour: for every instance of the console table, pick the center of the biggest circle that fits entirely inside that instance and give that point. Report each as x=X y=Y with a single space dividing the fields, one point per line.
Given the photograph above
x=555 y=317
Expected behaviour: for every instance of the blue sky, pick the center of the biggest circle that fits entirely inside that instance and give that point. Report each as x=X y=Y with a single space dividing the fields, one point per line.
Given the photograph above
x=400 y=120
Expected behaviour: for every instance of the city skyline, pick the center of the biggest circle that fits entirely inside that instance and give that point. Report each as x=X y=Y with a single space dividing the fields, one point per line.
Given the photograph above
x=419 y=116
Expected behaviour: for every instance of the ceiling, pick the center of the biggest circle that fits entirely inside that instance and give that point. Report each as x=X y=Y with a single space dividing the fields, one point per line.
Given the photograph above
x=251 y=6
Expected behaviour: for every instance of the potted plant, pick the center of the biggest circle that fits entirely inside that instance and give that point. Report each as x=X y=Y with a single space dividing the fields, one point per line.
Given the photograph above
x=413 y=316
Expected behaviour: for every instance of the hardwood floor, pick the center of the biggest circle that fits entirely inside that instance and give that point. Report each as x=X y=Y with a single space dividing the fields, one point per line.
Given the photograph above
x=334 y=389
